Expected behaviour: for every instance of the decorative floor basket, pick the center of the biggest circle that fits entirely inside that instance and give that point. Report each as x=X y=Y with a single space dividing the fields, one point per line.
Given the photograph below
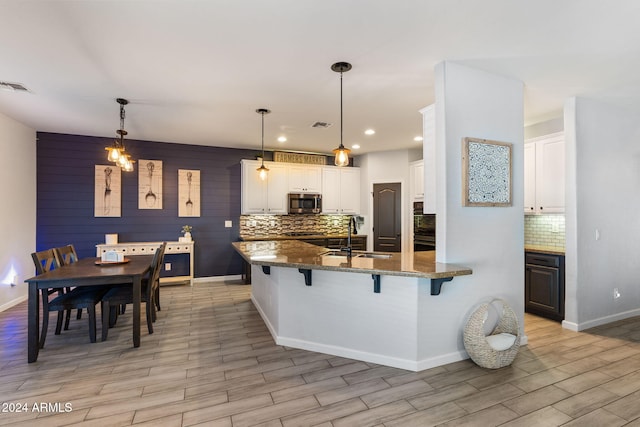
x=500 y=347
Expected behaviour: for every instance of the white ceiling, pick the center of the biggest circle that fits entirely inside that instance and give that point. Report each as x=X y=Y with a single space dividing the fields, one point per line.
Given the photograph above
x=195 y=71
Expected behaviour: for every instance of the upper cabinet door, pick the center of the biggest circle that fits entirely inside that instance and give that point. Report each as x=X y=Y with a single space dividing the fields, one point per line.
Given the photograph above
x=264 y=197
x=305 y=179
x=544 y=174
x=254 y=190
x=530 y=178
x=416 y=180
x=340 y=190
x=277 y=184
x=550 y=174
x=350 y=190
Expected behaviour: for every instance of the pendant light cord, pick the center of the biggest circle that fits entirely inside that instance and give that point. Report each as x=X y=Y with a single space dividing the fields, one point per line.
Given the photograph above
x=341 y=145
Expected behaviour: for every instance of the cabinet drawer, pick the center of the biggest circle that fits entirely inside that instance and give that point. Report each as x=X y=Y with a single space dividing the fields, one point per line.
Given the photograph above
x=542 y=259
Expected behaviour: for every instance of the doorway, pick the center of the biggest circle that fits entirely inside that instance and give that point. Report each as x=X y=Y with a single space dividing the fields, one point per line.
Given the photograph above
x=387 y=217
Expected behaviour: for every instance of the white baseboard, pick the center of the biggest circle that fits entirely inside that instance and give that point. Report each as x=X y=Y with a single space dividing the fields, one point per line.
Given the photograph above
x=600 y=321
x=217 y=278
x=13 y=302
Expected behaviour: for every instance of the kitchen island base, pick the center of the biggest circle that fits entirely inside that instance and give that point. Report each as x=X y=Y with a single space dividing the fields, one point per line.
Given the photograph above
x=403 y=326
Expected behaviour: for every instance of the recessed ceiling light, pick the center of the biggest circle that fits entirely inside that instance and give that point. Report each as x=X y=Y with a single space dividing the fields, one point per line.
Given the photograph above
x=369 y=132
x=282 y=139
x=355 y=146
x=417 y=139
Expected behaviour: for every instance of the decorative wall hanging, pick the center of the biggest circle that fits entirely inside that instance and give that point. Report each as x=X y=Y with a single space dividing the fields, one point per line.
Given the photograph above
x=310 y=159
x=188 y=193
x=486 y=172
x=108 y=191
x=149 y=184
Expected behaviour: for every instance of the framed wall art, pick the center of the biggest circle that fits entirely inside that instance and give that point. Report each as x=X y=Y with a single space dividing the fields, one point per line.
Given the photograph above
x=108 y=191
x=149 y=184
x=486 y=172
x=188 y=193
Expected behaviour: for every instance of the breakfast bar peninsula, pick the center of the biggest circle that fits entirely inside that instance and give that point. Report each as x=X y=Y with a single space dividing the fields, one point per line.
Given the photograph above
x=375 y=307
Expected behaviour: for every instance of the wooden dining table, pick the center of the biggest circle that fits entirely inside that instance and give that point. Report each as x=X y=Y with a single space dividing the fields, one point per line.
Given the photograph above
x=86 y=272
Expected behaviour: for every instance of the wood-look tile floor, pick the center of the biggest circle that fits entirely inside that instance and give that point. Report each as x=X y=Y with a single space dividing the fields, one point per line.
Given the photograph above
x=212 y=362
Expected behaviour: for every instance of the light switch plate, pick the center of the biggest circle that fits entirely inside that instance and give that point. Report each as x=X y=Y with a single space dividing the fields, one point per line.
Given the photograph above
x=228 y=224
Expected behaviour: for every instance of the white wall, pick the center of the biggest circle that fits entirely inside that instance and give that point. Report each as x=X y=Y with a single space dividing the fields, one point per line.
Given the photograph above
x=603 y=178
x=490 y=240
x=18 y=216
x=383 y=167
x=544 y=128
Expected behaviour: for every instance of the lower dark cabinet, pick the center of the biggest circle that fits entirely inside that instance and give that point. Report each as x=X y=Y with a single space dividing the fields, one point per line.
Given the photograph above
x=358 y=243
x=544 y=285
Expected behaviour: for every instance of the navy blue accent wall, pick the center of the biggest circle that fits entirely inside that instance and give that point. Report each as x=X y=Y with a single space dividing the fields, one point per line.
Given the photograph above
x=65 y=179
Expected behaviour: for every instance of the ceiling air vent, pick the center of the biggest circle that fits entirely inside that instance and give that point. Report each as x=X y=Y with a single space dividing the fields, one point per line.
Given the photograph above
x=13 y=87
x=322 y=125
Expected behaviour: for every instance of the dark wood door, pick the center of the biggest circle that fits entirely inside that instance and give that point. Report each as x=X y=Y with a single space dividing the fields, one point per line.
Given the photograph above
x=387 y=217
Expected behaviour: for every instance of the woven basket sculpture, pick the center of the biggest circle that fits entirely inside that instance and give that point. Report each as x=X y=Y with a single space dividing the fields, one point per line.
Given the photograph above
x=497 y=349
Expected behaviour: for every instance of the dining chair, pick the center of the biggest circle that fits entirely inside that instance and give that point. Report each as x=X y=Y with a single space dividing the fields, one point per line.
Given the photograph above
x=76 y=298
x=120 y=295
x=67 y=255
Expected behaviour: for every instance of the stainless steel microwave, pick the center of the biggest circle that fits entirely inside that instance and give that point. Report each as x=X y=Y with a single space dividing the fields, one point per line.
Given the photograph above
x=302 y=203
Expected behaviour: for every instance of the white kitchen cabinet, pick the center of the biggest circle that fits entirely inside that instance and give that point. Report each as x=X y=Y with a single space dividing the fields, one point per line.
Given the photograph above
x=305 y=179
x=264 y=197
x=416 y=180
x=429 y=158
x=529 y=178
x=544 y=174
x=340 y=190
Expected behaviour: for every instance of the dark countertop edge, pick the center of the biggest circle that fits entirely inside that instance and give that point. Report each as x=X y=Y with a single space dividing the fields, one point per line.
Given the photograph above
x=544 y=250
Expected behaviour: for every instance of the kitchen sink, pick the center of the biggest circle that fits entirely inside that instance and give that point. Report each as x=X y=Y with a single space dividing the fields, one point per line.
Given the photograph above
x=334 y=253
x=354 y=254
x=373 y=255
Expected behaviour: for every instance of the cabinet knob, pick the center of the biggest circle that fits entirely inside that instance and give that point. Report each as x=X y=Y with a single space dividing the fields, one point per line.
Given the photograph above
x=531 y=208
x=540 y=207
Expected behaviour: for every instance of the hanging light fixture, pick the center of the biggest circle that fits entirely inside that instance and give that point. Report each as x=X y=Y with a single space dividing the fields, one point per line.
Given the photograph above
x=262 y=170
x=117 y=152
x=341 y=153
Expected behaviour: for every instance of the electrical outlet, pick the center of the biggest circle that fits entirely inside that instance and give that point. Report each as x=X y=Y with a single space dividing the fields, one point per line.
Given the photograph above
x=228 y=224
x=252 y=223
x=555 y=228
x=167 y=266
x=616 y=293
x=597 y=234
x=272 y=224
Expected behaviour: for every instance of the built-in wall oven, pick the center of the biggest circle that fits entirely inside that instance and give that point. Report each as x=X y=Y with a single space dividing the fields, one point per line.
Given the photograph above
x=424 y=229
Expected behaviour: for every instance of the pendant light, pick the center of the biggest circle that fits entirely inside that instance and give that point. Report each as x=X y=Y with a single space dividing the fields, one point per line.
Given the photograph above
x=341 y=153
x=262 y=170
x=117 y=152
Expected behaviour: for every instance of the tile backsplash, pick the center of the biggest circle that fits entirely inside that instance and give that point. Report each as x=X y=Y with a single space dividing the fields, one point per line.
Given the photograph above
x=544 y=230
x=256 y=225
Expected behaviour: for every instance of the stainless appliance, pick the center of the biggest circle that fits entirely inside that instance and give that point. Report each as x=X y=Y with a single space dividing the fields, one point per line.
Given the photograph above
x=424 y=229
x=303 y=203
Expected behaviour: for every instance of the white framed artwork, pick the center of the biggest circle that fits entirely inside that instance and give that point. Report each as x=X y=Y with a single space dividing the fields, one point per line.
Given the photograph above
x=108 y=191
x=149 y=184
x=188 y=193
x=486 y=173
